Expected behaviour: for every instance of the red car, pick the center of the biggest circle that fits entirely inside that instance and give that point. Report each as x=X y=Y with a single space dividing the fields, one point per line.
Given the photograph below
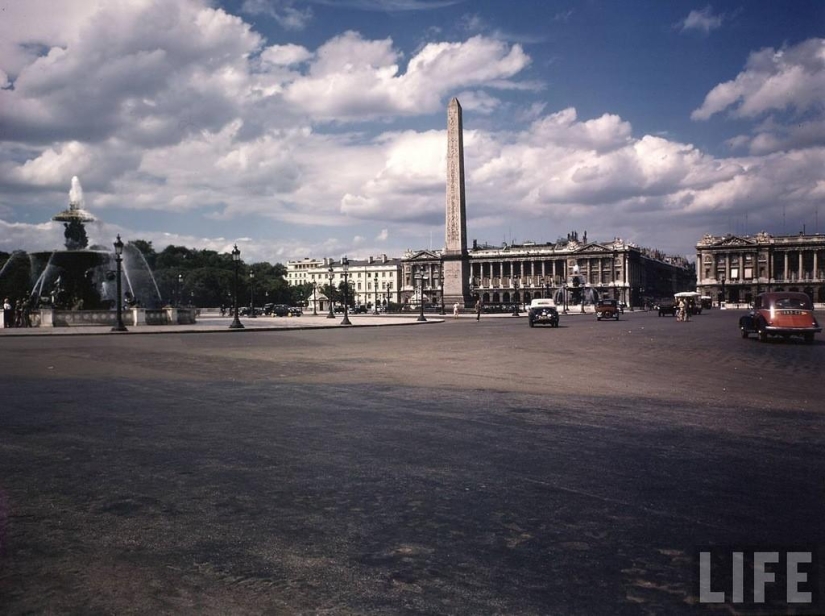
x=781 y=314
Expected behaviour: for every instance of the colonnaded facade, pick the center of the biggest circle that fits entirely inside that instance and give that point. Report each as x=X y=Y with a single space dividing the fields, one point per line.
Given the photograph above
x=519 y=273
x=735 y=268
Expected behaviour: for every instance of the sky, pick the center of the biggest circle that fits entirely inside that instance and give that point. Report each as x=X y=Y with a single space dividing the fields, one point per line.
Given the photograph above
x=313 y=128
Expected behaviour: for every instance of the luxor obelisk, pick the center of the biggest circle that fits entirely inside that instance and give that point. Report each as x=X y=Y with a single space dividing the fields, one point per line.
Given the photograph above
x=455 y=258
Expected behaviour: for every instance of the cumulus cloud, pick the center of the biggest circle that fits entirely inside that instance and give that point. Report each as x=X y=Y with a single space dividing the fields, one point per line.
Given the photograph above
x=785 y=85
x=790 y=79
x=183 y=109
x=703 y=21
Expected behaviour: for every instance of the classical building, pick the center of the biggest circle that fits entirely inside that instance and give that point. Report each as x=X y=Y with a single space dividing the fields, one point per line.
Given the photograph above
x=372 y=280
x=518 y=273
x=736 y=268
x=506 y=274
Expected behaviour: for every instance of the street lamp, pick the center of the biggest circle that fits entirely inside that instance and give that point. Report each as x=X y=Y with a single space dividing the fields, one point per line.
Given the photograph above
x=119 y=326
x=331 y=276
x=442 y=288
x=564 y=290
x=314 y=301
x=252 y=295
x=723 y=288
x=236 y=259
x=345 y=268
x=515 y=293
x=375 y=308
x=179 y=290
x=419 y=276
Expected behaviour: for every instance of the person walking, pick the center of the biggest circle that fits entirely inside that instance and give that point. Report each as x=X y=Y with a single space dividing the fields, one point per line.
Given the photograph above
x=478 y=310
x=8 y=313
x=455 y=310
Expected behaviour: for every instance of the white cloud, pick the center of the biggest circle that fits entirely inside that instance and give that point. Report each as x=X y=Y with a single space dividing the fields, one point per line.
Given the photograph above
x=180 y=108
x=786 y=87
x=790 y=79
x=703 y=21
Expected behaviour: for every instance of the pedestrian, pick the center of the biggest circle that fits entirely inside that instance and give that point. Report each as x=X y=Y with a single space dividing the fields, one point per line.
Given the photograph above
x=478 y=310
x=8 y=313
x=455 y=310
x=680 y=316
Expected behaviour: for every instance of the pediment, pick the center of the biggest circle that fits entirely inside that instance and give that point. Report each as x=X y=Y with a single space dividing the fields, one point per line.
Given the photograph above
x=423 y=255
x=726 y=241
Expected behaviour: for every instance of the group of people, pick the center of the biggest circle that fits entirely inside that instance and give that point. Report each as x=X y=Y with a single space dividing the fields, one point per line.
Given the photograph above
x=16 y=314
x=457 y=308
x=683 y=310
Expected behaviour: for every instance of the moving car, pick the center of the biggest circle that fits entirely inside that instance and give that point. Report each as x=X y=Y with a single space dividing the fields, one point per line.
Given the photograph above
x=543 y=312
x=278 y=310
x=781 y=314
x=607 y=309
x=667 y=307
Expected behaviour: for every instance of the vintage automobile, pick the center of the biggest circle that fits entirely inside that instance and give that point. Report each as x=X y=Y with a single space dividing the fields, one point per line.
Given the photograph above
x=543 y=312
x=295 y=311
x=781 y=314
x=667 y=307
x=607 y=309
x=278 y=310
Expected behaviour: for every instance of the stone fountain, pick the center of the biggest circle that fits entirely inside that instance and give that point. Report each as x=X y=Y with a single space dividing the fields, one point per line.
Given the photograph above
x=77 y=286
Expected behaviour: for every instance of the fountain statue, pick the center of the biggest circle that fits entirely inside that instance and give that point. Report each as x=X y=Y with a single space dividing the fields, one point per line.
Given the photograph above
x=81 y=277
x=576 y=292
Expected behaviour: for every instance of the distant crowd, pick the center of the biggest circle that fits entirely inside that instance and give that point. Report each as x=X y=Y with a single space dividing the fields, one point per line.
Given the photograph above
x=17 y=314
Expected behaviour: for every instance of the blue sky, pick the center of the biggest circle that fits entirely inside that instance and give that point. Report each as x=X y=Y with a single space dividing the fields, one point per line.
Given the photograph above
x=317 y=128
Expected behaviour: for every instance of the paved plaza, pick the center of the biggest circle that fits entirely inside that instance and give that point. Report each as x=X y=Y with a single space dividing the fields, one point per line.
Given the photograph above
x=454 y=467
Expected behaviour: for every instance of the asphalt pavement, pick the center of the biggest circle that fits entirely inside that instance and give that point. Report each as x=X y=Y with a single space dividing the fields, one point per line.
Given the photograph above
x=458 y=468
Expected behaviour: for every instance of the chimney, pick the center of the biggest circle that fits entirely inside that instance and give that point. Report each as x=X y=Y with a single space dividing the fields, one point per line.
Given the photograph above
x=370 y=259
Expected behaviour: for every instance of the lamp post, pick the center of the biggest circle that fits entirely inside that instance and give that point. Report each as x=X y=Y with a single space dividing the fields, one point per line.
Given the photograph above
x=178 y=290
x=331 y=276
x=314 y=301
x=419 y=276
x=236 y=259
x=375 y=308
x=515 y=293
x=564 y=290
x=252 y=295
x=345 y=268
x=442 y=288
x=119 y=326
x=723 y=288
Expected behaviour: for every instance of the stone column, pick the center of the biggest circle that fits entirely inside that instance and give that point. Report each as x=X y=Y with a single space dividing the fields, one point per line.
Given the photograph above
x=456 y=260
x=138 y=316
x=47 y=317
x=785 y=272
x=800 y=272
x=816 y=265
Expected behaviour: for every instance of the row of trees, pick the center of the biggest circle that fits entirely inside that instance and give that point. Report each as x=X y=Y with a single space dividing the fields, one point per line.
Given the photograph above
x=185 y=276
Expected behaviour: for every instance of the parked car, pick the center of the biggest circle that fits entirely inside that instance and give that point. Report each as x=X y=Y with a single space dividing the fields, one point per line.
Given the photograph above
x=780 y=314
x=278 y=310
x=666 y=307
x=295 y=311
x=543 y=312
x=246 y=311
x=607 y=309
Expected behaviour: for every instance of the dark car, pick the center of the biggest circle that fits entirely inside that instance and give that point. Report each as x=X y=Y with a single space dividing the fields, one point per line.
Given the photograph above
x=295 y=311
x=607 y=309
x=278 y=310
x=667 y=307
x=542 y=312
x=781 y=314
